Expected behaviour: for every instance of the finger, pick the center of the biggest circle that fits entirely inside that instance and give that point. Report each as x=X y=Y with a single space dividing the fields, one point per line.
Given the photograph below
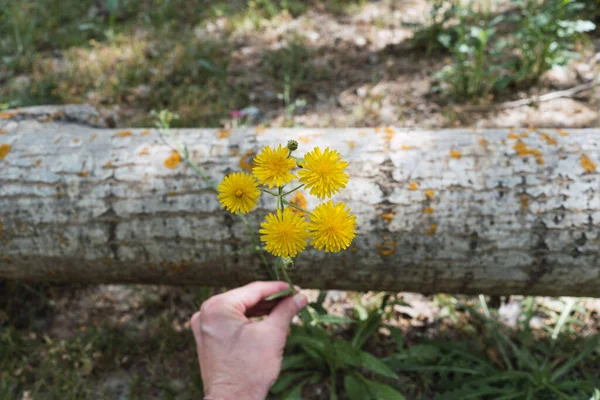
x=251 y=294
x=195 y=323
x=284 y=312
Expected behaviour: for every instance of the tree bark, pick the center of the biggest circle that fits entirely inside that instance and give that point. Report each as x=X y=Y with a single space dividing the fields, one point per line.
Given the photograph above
x=495 y=211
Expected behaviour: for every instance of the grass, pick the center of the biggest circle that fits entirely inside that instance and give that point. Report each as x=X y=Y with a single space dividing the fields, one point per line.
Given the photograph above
x=154 y=359
x=135 y=56
x=148 y=352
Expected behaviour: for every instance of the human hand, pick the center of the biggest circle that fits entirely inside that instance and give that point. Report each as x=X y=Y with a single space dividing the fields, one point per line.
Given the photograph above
x=240 y=359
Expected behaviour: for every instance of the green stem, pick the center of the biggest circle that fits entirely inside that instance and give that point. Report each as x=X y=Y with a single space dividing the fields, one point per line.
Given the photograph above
x=184 y=154
x=280 y=199
x=287 y=277
x=297 y=207
x=269 y=192
x=293 y=190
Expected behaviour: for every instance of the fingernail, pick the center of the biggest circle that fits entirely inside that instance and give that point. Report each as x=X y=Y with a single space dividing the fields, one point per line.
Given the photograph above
x=301 y=300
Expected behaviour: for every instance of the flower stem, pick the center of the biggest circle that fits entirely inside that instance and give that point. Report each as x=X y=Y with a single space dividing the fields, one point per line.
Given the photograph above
x=287 y=277
x=280 y=198
x=297 y=207
x=268 y=191
x=293 y=190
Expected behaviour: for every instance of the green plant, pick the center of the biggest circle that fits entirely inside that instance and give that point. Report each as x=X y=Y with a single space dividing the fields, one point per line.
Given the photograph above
x=290 y=106
x=291 y=66
x=440 y=17
x=500 y=365
x=492 y=52
x=316 y=354
x=546 y=35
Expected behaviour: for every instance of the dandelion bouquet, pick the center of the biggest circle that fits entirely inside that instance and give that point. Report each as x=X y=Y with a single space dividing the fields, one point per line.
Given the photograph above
x=286 y=231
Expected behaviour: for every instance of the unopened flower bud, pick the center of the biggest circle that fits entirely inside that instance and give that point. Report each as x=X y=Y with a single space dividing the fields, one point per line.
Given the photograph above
x=292 y=145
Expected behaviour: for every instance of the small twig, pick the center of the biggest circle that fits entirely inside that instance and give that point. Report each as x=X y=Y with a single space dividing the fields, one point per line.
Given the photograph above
x=531 y=100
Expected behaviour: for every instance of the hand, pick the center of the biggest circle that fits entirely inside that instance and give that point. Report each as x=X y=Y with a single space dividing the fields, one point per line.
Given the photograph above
x=240 y=359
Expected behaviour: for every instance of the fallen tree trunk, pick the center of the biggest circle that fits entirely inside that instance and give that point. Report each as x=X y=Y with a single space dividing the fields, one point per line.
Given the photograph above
x=468 y=211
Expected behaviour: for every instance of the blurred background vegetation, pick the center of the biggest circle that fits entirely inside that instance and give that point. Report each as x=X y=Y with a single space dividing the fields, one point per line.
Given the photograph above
x=291 y=62
x=316 y=63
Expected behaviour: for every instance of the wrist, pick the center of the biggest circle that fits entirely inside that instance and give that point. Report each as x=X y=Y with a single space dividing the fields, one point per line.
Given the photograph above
x=241 y=394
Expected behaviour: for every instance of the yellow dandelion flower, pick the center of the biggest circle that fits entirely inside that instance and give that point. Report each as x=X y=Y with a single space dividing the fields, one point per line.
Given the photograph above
x=272 y=166
x=333 y=227
x=284 y=233
x=238 y=192
x=323 y=172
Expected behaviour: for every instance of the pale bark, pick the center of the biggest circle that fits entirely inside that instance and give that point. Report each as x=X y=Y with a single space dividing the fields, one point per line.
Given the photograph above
x=438 y=211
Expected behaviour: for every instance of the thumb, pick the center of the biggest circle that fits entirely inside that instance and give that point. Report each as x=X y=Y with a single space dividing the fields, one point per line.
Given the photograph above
x=284 y=312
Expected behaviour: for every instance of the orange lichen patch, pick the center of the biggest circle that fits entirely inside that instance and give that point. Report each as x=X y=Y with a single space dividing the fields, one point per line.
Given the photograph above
x=387 y=217
x=7 y=115
x=362 y=133
x=58 y=139
x=388 y=135
x=431 y=230
x=4 y=150
x=455 y=154
x=428 y=210
x=523 y=150
x=75 y=140
x=93 y=137
x=173 y=160
x=387 y=248
x=3 y=131
x=259 y=129
x=549 y=139
x=145 y=151
x=562 y=133
x=513 y=136
x=83 y=174
x=523 y=135
x=38 y=163
x=587 y=164
x=123 y=134
x=351 y=143
x=107 y=261
x=247 y=161
x=108 y=164
x=299 y=199
x=524 y=202
x=429 y=193
x=304 y=139
x=171 y=194
x=145 y=133
x=413 y=185
x=483 y=143
x=353 y=249
x=223 y=134
x=407 y=147
x=377 y=129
